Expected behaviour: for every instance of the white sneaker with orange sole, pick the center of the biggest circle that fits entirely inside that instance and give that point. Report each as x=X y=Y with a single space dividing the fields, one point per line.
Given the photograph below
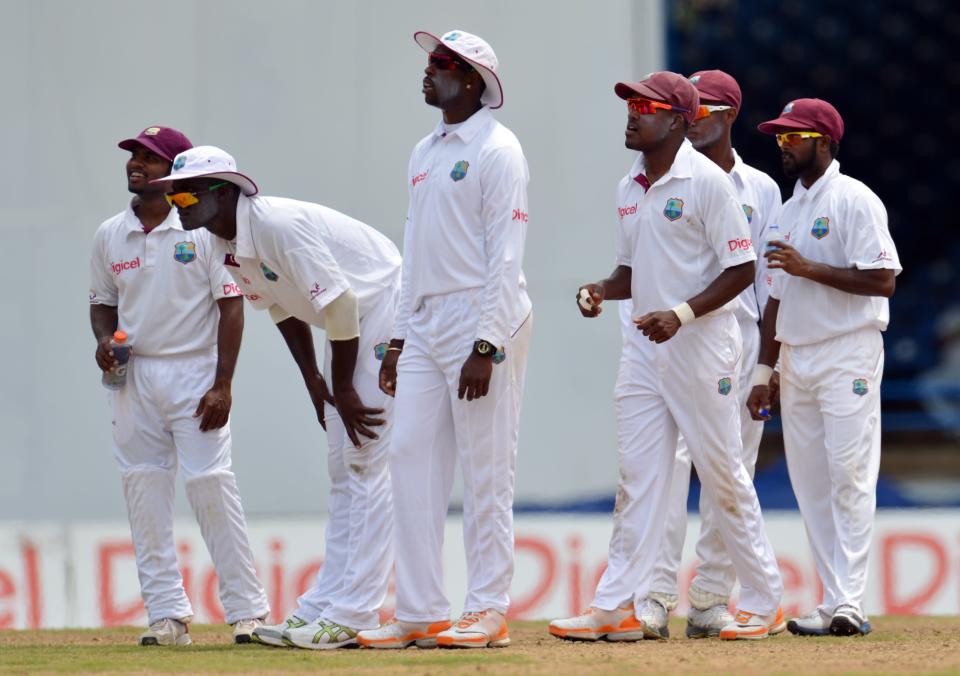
x=747 y=625
x=397 y=634
x=620 y=624
x=486 y=629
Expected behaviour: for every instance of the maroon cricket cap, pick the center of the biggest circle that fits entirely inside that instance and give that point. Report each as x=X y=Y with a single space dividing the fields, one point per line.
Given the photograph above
x=715 y=85
x=807 y=115
x=164 y=141
x=664 y=86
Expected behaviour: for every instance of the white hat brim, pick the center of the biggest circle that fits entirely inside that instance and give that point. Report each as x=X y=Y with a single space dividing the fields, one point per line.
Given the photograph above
x=493 y=94
x=245 y=183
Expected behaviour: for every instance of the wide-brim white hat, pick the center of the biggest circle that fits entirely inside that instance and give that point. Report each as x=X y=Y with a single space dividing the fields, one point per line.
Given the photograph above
x=209 y=162
x=477 y=52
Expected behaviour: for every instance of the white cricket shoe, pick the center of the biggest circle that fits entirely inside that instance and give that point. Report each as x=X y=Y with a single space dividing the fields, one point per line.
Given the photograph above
x=848 y=620
x=612 y=625
x=167 y=631
x=321 y=634
x=747 y=625
x=653 y=619
x=272 y=634
x=397 y=634
x=485 y=629
x=243 y=629
x=707 y=623
x=816 y=623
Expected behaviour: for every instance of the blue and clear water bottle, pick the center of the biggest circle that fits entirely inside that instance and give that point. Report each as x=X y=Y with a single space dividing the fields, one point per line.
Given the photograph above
x=772 y=234
x=116 y=377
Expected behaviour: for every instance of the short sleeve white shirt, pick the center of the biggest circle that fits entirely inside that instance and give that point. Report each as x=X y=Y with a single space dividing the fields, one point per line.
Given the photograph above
x=467 y=223
x=164 y=283
x=681 y=233
x=838 y=221
x=301 y=256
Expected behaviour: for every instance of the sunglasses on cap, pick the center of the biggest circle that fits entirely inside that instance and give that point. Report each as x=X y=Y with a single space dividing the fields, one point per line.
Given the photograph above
x=792 y=138
x=706 y=111
x=447 y=62
x=642 y=106
x=187 y=198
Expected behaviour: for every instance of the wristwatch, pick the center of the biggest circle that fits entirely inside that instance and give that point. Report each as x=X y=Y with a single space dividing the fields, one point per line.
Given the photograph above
x=484 y=348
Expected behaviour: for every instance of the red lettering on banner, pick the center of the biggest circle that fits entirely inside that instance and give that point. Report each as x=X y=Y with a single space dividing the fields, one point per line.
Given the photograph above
x=893 y=603
x=793 y=587
x=519 y=215
x=304 y=579
x=211 y=601
x=31 y=574
x=548 y=571
x=113 y=614
x=745 y=244
x=125 y=265
x=276 y=579
x=186 y=570
x=8 y=590
x=419 y=178
x=574 y=544
x=231 y=289
x=627 y=211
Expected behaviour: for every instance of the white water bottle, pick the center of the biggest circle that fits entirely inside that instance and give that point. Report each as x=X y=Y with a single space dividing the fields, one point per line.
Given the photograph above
x=116 y=377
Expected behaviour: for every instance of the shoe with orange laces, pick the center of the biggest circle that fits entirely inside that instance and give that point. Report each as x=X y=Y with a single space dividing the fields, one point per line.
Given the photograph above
x=747 y=626
x=397 y=634
x=779 y=625
x=620 y=624
x=486 y=629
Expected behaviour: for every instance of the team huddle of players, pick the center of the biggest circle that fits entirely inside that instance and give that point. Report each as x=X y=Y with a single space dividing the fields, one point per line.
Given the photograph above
x=713 y=336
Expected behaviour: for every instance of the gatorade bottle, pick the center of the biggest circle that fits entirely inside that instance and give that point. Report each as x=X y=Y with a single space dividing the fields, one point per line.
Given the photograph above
x=115 y=378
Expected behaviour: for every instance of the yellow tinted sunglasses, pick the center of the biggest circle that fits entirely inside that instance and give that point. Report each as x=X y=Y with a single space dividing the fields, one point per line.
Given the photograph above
x=792 y=138
x=188 y=199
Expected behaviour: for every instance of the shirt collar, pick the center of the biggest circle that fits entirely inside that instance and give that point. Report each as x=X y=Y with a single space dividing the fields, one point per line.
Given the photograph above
x=832 y=172
x=682 y=166
x=171 y=222
x=244 y=240
x=469 y=128
x=737 y=172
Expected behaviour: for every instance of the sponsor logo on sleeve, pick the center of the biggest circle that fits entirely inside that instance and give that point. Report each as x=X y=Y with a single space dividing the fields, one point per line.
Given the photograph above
x=882 y=256
x=821 y=227
x=459 y=171
x=860 y=387
x=673 y=209
x=419 y=178
x=93 y=296
x=316 y=290
x=125 y=265
x=231 y=289
x=519 y=215
x=627 y=211
x=184 y=252
x=745 y=244
x=724 y=385
x=268 y=273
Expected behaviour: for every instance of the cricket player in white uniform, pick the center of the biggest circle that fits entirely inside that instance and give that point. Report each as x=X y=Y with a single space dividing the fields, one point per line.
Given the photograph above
x=167 y=289
x=462 y=335
x=684 y=255
x=834 y=270
x=759 y=196
x=313 y=266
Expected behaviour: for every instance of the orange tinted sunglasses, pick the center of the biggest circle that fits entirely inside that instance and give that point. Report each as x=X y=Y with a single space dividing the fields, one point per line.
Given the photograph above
x=792 y=138
x=642 y=106
x=705 y=111
x=188 y=199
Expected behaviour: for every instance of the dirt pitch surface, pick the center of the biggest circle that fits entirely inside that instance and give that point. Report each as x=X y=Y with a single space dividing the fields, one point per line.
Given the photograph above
x=897 y=645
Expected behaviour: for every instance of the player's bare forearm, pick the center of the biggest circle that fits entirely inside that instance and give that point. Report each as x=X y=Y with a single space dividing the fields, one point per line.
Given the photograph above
x=769 y=347
x=343 y=363
x=103 y=321
x=299 y=339
x=229 y=337
x=852 y=280
x=727 y=286
x=617 y=285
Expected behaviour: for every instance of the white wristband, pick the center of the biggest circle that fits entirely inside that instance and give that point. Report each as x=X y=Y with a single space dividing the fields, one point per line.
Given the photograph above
x=761 y=375
x=684 y=313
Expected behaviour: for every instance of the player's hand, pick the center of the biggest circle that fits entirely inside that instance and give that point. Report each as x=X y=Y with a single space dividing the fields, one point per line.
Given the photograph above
x=759 y=400
x=659 y=326
x=214 y=408
x=320 y=395
x=774 y=389
x=591 y=299
x=784 y=257
x=475 y=377
x=388 y=372
x=357 y=418
x=104 y=355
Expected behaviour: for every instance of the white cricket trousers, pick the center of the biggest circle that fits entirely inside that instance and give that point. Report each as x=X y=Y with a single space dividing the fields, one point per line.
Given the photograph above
x=687 y=385
x=433 y=431
x=154 y=432
x=715 y=574
x=830 y=398
x=351 y=586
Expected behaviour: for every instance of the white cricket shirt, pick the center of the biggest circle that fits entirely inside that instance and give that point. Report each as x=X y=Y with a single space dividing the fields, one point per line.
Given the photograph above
x=301 y=256
x=841 y=222
x=467 y=223
x=681 y=233
x=164 y=283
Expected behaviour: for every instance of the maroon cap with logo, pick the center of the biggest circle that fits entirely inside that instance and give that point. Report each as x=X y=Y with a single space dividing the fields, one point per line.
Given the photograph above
x=807 y=115
x=715 y=85
x=664 y=86
x=164 y=141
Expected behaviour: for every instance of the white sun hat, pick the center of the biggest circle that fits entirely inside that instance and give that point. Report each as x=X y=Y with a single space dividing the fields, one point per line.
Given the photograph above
x=209 y=162
x=476 y=51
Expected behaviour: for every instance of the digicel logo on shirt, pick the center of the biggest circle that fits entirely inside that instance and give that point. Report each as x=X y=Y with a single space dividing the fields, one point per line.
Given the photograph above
x=627 y=211
x=744 y=244
x=125 y=265
x=419 y=178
